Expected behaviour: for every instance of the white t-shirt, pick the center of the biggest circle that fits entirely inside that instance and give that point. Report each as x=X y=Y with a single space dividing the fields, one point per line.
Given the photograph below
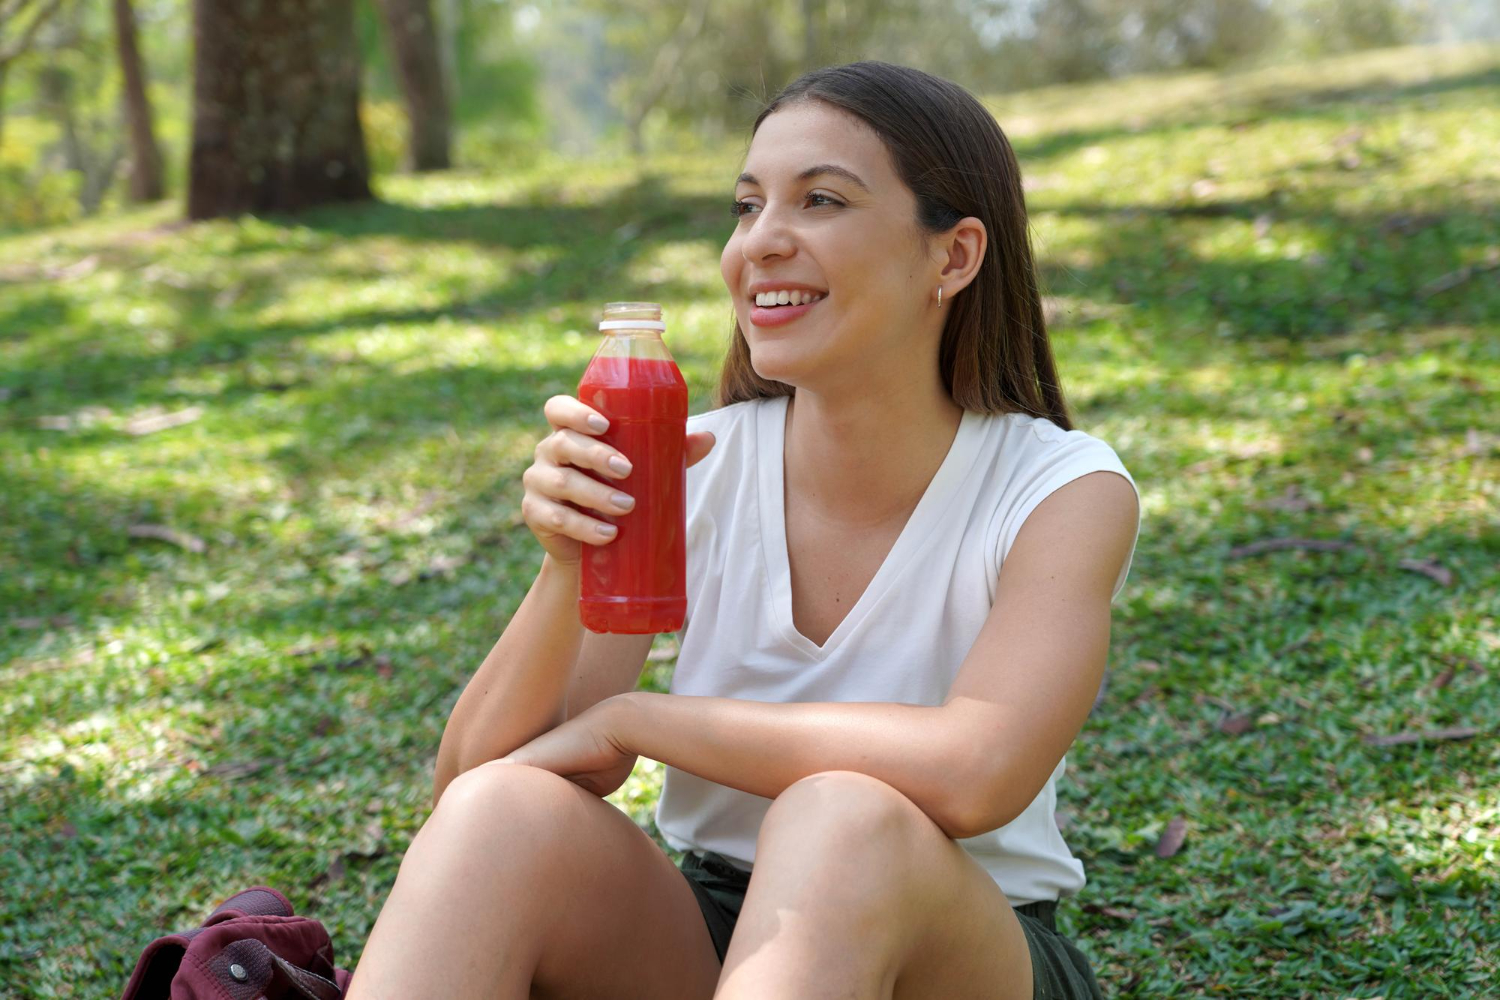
x=905 y=638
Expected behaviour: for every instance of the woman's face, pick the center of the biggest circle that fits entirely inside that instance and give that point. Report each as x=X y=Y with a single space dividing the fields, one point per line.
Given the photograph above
x=823 y=215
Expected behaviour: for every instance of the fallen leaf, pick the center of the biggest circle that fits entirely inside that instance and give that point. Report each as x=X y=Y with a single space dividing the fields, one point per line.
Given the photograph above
x=1400 y=739
x=334 y=872
x=1234 y=725
x=1453 y=279
x=1429 y=568
x=1290 y=501
x=1442 y=680
x=240 y=768
x=1151 y=692
x=162 y=533
x=1116 y=912
x=1172 y=838
x=153 y=422
x=1348 y=138
x=1276 y=544
x=29 y=622
x=319 y=646
x=1461 y=662
x=80 y=269
x=1292 y=647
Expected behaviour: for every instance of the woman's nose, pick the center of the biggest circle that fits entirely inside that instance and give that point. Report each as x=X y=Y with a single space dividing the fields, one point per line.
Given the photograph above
x=769 y=236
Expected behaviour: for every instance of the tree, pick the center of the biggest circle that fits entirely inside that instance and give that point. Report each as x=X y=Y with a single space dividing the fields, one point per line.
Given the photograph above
x=275 y=107
x=414 y=49
x=145 y=157
x=20 y=20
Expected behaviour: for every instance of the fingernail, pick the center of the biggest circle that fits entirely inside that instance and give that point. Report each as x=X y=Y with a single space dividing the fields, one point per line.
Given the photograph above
x=607 y=529
x=622 y=499
x=598 y=423
x=619 y=465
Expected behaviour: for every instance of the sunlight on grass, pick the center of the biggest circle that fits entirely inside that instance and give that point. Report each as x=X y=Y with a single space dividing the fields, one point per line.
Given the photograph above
x=1268 y=291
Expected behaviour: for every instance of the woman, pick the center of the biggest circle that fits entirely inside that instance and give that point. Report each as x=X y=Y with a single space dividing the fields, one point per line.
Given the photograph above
x=901 y=560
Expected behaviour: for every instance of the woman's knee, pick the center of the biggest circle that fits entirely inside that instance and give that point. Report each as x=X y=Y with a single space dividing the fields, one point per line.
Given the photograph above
x=512 y=803
x=845 y=824
x=842 y=810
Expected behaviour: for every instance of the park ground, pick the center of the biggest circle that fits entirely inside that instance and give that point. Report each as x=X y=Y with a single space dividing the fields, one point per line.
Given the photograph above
x=260 y=486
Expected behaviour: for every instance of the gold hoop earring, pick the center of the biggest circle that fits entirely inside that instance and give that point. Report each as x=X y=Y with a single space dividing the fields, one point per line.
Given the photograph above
x=940 y=296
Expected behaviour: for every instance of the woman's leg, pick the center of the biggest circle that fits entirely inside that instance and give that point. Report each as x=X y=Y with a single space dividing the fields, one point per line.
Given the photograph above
x=857 y=894
x=522 y=884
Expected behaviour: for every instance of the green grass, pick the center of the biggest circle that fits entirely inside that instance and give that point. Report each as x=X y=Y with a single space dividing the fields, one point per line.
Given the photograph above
x=1244 y=276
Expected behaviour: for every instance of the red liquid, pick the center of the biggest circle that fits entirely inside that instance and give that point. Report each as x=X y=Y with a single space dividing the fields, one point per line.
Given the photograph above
x=637 y=582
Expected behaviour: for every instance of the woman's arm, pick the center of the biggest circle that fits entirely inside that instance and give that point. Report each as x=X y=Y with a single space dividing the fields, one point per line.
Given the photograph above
x=974 y=763
x=520 y=690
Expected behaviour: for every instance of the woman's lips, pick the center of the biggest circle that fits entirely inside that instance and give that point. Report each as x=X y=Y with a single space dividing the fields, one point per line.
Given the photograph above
x=779 y=315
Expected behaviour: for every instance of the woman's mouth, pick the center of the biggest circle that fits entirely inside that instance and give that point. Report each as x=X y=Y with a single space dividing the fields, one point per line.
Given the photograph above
x=777 y=308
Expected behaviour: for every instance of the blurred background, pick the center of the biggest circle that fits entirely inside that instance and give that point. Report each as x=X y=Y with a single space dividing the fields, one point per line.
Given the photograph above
x=94 y=92
x=284 y=286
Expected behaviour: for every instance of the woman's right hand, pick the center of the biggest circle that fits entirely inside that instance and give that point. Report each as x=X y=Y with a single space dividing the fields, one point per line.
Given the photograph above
x=554 y=480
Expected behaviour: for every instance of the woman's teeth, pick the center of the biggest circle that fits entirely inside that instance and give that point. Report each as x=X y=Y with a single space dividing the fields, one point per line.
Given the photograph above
x=786 y=298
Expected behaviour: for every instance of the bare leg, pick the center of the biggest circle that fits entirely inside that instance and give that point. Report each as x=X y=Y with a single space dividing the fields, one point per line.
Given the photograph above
x=858 y=894
x=522 y=884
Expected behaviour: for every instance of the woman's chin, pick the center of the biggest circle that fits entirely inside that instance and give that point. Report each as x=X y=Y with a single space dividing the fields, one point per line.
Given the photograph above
x=774 y=369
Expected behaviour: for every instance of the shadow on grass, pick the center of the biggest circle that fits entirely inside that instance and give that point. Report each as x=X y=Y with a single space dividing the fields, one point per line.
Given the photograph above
x=1379 y=272
x=594 y=247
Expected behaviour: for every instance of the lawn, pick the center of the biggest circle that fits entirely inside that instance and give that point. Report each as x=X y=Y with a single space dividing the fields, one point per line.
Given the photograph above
x=259 y=521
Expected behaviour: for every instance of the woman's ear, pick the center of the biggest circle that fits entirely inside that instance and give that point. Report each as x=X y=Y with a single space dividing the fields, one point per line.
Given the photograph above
x=961 y=250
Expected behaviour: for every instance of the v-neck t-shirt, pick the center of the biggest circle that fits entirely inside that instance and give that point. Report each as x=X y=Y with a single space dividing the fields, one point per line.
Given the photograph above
x=905 y=638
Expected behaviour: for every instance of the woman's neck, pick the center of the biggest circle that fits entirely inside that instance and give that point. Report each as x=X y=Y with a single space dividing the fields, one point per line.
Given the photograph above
x=865 y=459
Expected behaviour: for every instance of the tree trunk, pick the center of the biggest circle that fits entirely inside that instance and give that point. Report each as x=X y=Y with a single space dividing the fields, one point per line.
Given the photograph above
x=145 y=157
x=275 y=107
x=414 y=47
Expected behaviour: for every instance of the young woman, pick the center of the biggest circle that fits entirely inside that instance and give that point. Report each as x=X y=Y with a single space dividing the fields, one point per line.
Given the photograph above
x=901 y=561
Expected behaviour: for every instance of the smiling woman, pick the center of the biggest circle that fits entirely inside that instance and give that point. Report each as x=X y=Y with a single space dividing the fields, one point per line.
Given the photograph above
x=901 y=558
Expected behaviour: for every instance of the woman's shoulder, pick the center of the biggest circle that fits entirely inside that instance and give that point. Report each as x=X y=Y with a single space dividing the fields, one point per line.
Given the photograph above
x=1041 y=434
x=1031 y=448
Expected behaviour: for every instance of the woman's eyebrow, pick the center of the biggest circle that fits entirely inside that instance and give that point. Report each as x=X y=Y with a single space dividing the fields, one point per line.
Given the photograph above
x=810 y=172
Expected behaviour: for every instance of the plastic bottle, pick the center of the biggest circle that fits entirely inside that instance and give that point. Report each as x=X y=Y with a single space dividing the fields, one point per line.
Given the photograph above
x=637 y=582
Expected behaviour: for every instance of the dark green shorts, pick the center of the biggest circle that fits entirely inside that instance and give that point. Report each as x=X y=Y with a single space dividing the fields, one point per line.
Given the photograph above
x=1059 y=970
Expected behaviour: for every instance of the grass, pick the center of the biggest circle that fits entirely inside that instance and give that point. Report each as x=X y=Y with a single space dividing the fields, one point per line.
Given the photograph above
x=1272 y=293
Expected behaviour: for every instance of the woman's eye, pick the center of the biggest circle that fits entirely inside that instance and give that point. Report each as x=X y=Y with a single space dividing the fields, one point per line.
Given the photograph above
x=741 y=208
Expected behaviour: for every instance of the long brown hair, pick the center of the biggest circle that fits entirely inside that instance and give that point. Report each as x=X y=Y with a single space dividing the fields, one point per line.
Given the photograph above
x=994 y=355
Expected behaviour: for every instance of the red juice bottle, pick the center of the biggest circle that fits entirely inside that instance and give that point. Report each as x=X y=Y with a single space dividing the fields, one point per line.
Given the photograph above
x=637 y=582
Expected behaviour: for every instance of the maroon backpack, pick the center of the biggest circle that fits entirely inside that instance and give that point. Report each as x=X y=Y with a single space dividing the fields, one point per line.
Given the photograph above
x=250 y=947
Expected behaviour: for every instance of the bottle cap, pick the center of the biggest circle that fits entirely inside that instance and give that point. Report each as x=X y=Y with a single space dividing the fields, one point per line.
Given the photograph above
x=632 y=316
